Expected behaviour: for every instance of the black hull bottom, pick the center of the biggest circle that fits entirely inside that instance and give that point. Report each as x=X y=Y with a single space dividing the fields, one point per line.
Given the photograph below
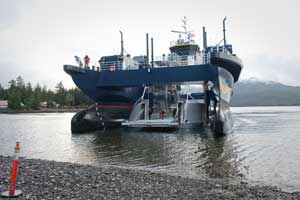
x=221 y=127
x=222 y=123
x=88 y=120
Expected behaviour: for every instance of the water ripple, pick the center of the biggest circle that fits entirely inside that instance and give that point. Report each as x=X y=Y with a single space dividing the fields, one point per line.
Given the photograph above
x=264 y=146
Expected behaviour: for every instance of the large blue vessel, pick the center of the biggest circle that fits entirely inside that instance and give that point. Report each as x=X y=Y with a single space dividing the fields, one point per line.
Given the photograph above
x=189 y=86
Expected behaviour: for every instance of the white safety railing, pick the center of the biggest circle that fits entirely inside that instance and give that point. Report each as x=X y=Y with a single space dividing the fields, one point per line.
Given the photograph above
x=126 y=64
x=175 y=60
x=171 y=60
x=182 y=42
x=111 y=66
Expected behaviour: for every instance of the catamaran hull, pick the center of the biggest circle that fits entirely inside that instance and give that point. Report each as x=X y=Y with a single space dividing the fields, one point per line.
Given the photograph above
x=222 y=122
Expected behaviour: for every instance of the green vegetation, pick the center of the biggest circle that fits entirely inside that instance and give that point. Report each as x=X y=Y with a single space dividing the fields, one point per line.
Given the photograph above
x=22 y=96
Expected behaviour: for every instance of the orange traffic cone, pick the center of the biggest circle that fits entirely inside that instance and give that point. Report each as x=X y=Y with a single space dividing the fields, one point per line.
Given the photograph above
x=12 y=193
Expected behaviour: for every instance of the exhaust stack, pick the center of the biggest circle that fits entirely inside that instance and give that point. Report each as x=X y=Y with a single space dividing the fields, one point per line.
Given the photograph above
x=147 y=49
x=204 y=38
x=122 y=45
x=152 y=54
x=224 y=32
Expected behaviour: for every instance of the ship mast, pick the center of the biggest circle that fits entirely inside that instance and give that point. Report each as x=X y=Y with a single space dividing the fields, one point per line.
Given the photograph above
x=184 y=21
x=186 y=33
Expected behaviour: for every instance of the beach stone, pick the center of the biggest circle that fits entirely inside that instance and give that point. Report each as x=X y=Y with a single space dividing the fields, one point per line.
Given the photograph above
x=41 y=179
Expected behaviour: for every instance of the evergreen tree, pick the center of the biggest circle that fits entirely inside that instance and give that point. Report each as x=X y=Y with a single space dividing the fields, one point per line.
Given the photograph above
x=79 y=97
x=44 y=95
x=60 y=94
x=2 y=92
x=69 y=100
x=12 y=84
x=37 y=89
x=21 y=95
x=60 y=88
x=20 y=82
x=29 y=88
x=35 y=104
x=14 y=101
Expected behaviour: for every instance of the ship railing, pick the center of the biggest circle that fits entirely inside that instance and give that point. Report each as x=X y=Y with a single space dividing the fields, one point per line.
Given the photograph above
x=220 y=48
x=181 y=42
x=172 y=60
x=111 y=66
x=126 y=64
x=176 y=60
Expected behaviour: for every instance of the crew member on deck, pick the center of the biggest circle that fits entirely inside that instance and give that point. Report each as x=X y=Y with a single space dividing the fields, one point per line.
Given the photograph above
x=86 y=61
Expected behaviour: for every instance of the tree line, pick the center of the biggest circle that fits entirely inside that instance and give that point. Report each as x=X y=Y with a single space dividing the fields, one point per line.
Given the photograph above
x=22 y=95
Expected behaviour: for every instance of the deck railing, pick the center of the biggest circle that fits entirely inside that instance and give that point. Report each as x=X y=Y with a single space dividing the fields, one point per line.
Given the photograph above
x=172 y=60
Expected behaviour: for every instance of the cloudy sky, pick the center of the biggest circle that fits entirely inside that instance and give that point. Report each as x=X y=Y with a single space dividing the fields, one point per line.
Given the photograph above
x=38 y=36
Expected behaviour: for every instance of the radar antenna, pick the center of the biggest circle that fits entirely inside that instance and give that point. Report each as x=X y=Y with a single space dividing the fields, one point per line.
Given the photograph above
x=187 y=34
x=184 y=21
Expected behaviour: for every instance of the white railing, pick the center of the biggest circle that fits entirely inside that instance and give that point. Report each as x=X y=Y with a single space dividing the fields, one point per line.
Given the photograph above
x=171 y=60
x=175 y=60
x=126 y=64
x=111 y=66
x=182 y=42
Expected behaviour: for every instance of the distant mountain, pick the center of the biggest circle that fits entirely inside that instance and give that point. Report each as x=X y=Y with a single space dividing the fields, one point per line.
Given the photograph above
x=254 y=92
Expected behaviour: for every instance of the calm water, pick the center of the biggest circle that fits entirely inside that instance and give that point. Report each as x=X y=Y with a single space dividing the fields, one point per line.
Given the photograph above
x=264 y=148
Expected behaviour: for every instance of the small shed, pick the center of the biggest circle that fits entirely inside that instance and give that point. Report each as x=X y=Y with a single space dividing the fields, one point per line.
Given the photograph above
x=44 y=104
x=3 y=104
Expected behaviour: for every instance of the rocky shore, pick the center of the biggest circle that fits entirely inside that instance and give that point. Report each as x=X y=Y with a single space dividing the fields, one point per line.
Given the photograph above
x=40 y=179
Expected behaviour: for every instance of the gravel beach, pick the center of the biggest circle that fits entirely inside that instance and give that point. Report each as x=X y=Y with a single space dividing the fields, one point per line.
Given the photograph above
x=41 y=179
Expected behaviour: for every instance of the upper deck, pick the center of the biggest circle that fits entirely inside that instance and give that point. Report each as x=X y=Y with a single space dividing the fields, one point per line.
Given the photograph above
x=185 y=56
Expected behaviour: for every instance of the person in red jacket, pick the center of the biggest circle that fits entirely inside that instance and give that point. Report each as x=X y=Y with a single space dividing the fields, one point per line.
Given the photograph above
x=86 y=61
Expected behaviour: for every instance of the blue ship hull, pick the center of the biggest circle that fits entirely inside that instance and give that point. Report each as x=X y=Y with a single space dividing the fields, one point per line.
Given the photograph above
x=112 y=101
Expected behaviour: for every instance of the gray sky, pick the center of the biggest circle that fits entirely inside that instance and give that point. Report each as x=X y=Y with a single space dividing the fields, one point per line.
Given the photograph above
x=38 y=36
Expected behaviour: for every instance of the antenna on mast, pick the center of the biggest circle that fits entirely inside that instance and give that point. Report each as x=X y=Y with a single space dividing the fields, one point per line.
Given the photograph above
x=184 y=21
x=187 y=34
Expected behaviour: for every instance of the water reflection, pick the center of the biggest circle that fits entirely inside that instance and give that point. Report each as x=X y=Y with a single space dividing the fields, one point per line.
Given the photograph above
x=218 y=158
x=188 y=152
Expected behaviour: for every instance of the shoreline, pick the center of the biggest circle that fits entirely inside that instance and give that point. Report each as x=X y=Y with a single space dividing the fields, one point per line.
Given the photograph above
x=44 y=110
x=65 y=110
x=75 y=110
x=42 y=179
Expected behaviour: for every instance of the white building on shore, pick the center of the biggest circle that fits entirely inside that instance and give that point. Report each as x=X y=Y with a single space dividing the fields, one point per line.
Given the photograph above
x=3 y=104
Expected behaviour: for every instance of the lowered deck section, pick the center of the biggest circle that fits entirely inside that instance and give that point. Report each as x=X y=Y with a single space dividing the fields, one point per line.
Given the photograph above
x=152 y=123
